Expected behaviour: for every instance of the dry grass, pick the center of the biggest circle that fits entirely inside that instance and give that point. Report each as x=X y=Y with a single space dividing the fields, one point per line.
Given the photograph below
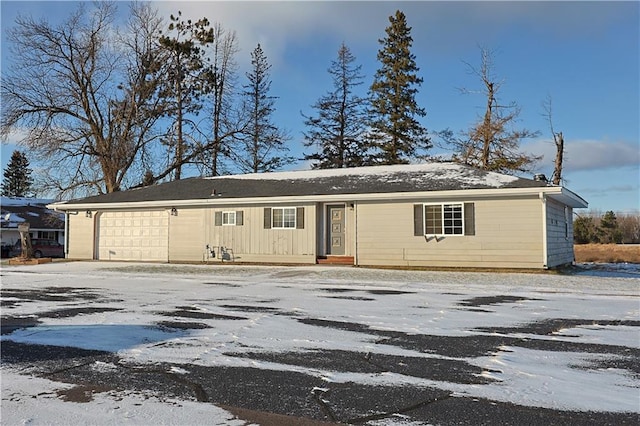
x=607 y=253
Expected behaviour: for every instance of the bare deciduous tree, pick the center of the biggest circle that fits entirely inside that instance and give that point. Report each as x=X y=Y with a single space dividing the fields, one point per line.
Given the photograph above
x=492 y=143
x=222 y=80
x=82 y=97
x=558 y=140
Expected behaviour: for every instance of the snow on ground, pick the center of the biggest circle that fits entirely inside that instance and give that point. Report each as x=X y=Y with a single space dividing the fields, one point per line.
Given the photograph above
x=416 y=302
x=33 y=401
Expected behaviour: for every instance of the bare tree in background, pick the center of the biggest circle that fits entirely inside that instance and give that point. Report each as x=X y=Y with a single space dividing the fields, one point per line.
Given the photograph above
x=82 y=102
x=558 y=140
x=492 y=143
x=222 y=80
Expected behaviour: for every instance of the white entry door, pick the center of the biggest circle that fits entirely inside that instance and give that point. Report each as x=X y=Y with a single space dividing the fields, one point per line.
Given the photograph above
x=135 y=235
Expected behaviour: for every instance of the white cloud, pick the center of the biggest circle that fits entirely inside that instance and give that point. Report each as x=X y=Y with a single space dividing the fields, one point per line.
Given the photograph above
x=439 y=26
x=587 y=154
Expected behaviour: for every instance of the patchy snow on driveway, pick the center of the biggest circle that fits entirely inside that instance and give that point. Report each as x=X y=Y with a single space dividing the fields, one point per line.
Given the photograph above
x=571 y=334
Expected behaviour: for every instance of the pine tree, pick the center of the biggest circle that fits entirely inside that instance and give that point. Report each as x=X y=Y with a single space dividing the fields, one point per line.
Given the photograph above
x=17 y=177
x=262 y=142
x=186 y=73
x=395 y=130
x=609 y=231
x=338 y=128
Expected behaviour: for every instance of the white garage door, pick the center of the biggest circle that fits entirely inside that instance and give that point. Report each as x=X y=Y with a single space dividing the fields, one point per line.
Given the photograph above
x=139 y=235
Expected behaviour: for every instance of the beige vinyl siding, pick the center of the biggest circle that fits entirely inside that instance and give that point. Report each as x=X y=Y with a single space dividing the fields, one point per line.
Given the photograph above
x=508 y=233
x=187 y=230
x=559 y=237
x=80 y=240
x=250 y=242
x=350 y=230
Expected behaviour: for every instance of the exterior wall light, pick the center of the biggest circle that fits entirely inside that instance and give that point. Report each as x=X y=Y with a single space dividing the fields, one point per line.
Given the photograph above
x=88 y=213
x=174 y=211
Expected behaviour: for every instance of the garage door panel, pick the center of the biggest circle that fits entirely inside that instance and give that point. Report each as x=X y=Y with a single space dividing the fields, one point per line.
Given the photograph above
x=133 y=236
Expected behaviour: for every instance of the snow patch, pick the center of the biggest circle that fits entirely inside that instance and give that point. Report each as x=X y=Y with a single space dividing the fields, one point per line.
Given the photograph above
x=428 y=171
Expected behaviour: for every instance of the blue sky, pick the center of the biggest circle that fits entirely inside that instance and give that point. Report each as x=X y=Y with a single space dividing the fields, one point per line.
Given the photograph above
x=585 y=55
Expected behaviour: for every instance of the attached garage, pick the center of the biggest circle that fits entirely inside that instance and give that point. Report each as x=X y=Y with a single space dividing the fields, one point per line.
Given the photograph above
x=133 y=235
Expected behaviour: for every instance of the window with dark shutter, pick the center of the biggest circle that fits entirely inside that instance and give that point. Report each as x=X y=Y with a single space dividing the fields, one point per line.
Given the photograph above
x=267 y=218
x=300 y=218
x=444 y=219
x=418 y=220
x=469 y=219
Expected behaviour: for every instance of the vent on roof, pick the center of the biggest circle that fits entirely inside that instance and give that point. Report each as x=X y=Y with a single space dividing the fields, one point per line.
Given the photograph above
x=540 y=178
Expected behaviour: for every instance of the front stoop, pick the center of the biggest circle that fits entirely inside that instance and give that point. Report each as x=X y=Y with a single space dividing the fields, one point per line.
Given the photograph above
x=33 y=261
x=335 y=260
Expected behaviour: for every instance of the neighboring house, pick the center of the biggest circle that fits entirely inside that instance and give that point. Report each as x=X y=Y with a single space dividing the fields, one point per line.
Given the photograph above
x=43 y=222
x=429 y=215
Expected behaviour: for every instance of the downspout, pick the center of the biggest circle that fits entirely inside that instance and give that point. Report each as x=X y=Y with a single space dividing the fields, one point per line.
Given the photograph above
x=355 y=232
x=543 y=198
x=66 y=235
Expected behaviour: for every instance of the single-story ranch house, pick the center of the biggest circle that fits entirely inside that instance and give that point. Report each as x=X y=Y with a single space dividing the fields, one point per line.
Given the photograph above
x=430 y=215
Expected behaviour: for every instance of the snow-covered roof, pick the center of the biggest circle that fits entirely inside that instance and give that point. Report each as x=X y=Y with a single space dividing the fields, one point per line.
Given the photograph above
x=24 y=201
x=394 y=173
x=17 y=210
x=352 y=181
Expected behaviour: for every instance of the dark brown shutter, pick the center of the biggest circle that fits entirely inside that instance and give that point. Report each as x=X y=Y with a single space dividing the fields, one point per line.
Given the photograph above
x=239 y=218
x=299 y=217
x=469 y=219
x=217 y=221
x=267 y=218
x=418 y=220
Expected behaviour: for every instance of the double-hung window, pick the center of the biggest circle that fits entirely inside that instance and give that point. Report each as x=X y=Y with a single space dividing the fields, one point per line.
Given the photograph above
x=444 y=219
x=283 y=217
x=228 y=218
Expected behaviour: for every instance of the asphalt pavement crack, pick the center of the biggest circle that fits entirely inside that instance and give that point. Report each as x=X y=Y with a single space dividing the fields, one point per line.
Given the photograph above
x=402 y=410
x=317 y=394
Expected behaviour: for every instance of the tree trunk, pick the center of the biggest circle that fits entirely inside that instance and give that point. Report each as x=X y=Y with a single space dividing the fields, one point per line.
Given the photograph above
x=557 y=169
x=486 y=126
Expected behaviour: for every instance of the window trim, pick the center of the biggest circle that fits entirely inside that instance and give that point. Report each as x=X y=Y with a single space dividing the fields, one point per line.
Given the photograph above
x=443 y=228
x=299 y=217
x=226 y=214
x=282 y=209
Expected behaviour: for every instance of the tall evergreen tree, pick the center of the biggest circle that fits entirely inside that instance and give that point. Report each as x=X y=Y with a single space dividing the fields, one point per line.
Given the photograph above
x=186 y=74
x=395 y=129
x=17 y=177
x=261 y=143
x=338 y=128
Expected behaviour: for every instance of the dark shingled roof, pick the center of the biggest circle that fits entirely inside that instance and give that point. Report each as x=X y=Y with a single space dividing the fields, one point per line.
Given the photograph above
x=38 y=217
x=361 y=180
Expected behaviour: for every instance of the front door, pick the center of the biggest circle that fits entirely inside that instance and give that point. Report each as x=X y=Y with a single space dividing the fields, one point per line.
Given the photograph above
x=335 y=230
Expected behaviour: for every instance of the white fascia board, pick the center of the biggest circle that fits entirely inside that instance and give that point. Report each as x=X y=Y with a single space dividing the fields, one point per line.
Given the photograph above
x=567 y=197
x=554 y=192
